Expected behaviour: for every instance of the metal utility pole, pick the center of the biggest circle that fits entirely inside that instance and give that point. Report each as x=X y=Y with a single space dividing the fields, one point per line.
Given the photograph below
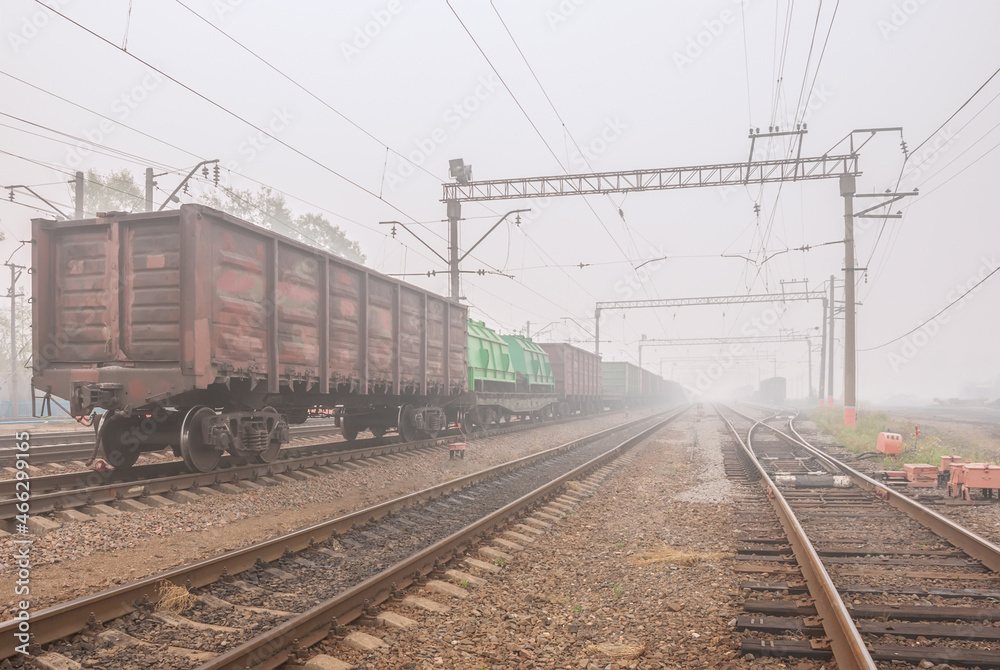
x=829 y=370
x=78 y=192
x=183 y=184
x=847 y=189
x=809 y=345
x=150 y=184
x=454 y=214
x=822 y=358
x=454 y=261
x=14 y=295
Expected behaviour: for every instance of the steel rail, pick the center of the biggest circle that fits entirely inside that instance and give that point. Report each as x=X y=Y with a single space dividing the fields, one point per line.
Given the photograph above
x=274 y=647
x=66 y=619
x=848 y=647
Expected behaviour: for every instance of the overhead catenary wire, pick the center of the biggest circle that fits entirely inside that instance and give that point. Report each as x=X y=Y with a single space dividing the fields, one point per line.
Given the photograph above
x=228 y=111
x=936 y=315
x=907 y=156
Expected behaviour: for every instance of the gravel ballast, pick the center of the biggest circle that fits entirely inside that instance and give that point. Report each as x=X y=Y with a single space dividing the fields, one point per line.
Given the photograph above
x=637 y=575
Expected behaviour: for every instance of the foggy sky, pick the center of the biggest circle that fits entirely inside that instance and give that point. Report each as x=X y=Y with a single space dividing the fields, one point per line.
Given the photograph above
x=637 y=85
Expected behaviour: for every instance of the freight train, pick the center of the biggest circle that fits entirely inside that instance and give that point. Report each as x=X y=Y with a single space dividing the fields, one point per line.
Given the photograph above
x=199 y=331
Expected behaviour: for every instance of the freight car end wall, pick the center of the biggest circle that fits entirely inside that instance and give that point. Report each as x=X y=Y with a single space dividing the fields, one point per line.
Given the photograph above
x=195 y=306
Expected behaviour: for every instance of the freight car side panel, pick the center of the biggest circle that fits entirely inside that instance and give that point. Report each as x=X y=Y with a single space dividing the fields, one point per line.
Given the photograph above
x=85 y=309
x=458 y=347
x=298 y=313
x=619 y=379
x=381 y=332
x=239 y=310
x=437 y=355
x=346 y=326
x=577 y=372
x=151 y=298
x=411 y=339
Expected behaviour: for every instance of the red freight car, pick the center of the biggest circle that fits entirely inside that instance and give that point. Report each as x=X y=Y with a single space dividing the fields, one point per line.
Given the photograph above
x=578 y=378
x=197 y=330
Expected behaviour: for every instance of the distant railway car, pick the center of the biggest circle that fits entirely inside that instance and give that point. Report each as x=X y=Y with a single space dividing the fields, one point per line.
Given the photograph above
x=620 y=383
x=772 y=390
x=577 y=375
x=203 y=332
x=672 y=393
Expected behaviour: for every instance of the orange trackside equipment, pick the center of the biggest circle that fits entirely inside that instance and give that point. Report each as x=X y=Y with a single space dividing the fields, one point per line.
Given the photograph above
x=921 y=474
x=956 y=480
x=982 y=476
x=948 y=462
x=890 y=443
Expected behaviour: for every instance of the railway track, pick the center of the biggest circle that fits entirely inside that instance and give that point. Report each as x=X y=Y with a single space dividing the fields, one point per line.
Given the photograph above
x=849 y=569
x=62 y=446
x=60 y=493
x=260 y=606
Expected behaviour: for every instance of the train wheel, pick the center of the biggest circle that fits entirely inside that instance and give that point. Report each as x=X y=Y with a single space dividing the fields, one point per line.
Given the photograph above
x=349 y=427
x=405 y=424
x=270 y=454
x=121 y=456
x=198 y=456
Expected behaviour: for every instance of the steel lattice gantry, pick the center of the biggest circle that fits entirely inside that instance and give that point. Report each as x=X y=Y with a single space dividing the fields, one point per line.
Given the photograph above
x=627 y=181
x=709 y=300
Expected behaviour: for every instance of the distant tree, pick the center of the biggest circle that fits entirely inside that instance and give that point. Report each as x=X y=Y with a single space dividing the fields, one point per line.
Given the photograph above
x=314 y=229
x=117 y=191
x=114 y=191
x=269 y=209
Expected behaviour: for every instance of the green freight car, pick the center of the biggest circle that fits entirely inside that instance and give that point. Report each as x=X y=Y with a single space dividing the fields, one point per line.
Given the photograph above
x=531 y=364
x=490 y=366
x=509 y=376
x=620 y=384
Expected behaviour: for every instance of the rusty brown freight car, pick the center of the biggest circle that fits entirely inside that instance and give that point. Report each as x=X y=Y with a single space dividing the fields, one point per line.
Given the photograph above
x=198 y=330
x=578 y=377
